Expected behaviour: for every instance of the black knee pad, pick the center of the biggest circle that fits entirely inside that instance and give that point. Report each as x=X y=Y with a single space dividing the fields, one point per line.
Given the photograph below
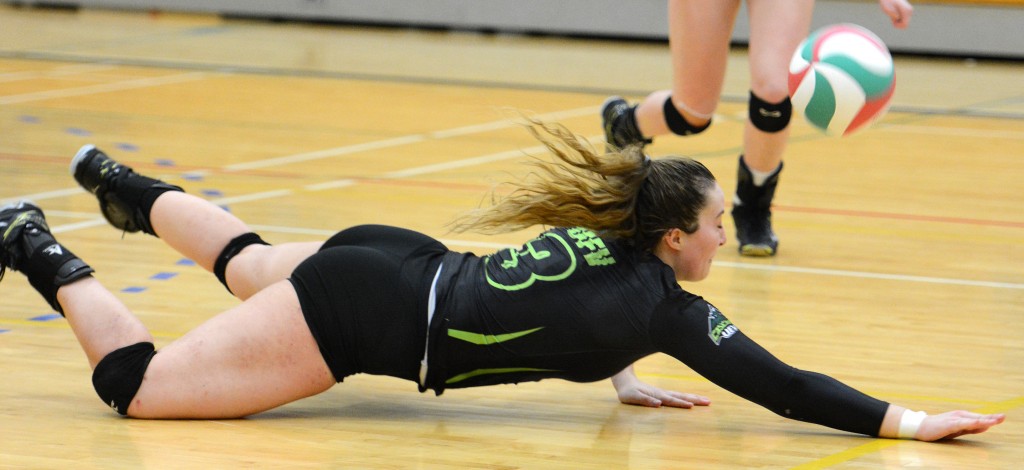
x=769 y=117
x=118 y=376
x=677 y=123
x=233 y=248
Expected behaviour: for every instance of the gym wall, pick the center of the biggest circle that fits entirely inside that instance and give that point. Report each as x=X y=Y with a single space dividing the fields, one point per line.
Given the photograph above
x=978 y=28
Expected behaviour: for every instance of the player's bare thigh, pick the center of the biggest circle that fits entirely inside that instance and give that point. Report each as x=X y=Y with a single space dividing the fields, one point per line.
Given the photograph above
x=776 y=28
x=258 y=266
x=252 y=358
x=700 y=32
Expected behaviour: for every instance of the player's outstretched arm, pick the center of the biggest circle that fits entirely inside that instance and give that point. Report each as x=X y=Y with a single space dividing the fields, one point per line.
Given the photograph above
x=900 y=422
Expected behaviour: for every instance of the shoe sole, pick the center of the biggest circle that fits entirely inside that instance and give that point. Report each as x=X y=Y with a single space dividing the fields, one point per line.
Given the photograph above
x=609 y=146
x=26 y=205
x=757 y=250
x=608 y=102
x=604 y=110
x=23 y=202
x=79 y=157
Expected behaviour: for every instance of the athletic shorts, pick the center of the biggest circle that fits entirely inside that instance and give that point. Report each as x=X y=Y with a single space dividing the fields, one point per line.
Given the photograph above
x=364 y=296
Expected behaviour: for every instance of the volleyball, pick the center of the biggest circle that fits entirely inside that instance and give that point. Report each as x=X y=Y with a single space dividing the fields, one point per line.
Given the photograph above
x=841 y=79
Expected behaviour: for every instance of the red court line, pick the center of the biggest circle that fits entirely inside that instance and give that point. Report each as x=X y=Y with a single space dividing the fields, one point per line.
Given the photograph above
x=32 y=158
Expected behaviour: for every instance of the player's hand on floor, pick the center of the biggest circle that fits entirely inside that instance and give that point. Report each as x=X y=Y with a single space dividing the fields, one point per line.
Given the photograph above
x=648 y=395
x=954 y=424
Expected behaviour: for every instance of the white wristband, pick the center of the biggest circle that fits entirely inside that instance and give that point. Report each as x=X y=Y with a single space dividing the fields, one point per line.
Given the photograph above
x=909 y=423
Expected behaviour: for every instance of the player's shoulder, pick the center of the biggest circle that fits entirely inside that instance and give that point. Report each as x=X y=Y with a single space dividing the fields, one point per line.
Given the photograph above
x=683 y=302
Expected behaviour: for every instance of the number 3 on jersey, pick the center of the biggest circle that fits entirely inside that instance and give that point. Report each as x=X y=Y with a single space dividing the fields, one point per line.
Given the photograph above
x=548 y=258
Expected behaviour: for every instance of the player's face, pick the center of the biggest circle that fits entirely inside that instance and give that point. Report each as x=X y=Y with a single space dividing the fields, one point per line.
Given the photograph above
x=700 y=247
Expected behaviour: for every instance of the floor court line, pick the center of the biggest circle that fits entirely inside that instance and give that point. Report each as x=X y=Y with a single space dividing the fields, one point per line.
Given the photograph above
x=101 y=88
x=895 y=216
x=403 y=140
x=870 y=275
x=494 y=157
x=43 y=195
x=326 y=153
x=61 y=71
x=253 y=197
x=955 y=132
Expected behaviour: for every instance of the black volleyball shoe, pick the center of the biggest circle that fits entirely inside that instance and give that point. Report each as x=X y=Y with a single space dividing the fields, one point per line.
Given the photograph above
x=619 y=121
x=752 y=213
x=26 y=245
x=125 y=196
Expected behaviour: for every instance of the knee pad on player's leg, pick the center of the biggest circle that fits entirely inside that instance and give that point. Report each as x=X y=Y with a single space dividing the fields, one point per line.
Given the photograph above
x=118 y=376
x=677 y=123
x=769 y=117
x=233 y=248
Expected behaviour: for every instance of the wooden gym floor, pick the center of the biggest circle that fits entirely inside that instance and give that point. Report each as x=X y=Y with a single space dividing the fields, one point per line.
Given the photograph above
x=901 y=270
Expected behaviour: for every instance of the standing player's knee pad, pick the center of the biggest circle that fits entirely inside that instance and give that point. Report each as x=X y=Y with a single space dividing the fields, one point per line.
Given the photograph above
x=769 y=117
x=118 y=376
x=677 y=123
x=233 y=248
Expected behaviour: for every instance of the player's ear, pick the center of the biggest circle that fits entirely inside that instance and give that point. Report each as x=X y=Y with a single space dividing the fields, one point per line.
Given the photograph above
x=674 y=238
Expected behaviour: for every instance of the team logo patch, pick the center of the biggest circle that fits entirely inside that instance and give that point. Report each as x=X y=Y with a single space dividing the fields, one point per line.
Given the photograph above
x=719 y=327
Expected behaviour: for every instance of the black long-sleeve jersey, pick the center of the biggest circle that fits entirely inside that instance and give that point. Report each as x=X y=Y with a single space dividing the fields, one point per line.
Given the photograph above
x=571 y=305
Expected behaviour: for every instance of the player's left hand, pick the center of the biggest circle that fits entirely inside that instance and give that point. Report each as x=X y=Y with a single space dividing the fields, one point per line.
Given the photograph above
x=648 y=395
x=954 y=424
x=632 y=391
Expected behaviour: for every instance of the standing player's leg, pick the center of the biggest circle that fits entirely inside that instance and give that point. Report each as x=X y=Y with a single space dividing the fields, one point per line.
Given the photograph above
x=214 y=238
x=776 y=28
x=699 y=37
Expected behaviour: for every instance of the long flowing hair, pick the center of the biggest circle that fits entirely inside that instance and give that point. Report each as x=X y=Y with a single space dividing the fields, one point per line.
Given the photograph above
x=621 y=194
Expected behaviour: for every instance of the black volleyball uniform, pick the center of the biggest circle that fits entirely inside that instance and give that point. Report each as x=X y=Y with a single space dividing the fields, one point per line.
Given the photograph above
x=570 y=305
x=364 y=297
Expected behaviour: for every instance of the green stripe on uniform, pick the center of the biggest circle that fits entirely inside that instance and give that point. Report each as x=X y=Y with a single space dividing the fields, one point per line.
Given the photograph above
x=505 y=370
x=484 y=340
